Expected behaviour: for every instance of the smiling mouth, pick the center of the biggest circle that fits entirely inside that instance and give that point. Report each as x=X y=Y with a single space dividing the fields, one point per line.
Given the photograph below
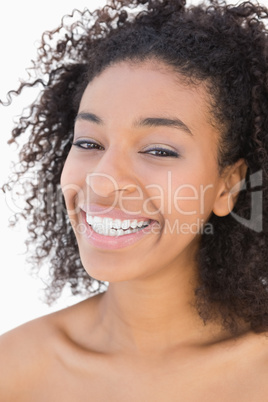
x=115 y=227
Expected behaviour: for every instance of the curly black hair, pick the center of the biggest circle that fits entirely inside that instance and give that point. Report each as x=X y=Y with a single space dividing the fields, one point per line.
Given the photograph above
x=222 y=46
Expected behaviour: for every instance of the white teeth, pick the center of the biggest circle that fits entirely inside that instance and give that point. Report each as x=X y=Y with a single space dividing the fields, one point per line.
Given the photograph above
x=116 y=224
x=125 y=224
x=112 y=232
x=97 y=219
x=89 y=219
x=134 y=224
x=108 y=222
x=97 y=228
x=130 y=231
x=114 y=227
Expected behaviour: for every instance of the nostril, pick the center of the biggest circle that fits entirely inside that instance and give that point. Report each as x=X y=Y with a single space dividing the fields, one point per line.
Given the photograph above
x=131 y=187
x=104 y=184
x=101 y=183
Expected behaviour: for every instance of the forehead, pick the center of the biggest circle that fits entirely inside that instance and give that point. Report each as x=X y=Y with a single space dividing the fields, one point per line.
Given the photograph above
x=127 y=90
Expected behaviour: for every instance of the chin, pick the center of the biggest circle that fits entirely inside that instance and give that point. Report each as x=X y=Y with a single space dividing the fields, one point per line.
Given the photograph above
x=107 y=272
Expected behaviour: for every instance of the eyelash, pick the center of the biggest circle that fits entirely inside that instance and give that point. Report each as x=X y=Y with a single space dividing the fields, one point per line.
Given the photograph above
x=93 y=145
x=166 y=152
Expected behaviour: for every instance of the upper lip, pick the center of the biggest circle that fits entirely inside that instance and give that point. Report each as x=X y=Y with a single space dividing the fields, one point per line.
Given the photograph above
x=112 y=212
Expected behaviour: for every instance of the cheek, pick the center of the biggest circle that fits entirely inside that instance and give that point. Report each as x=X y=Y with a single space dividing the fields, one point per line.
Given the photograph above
x=188 y=185
x=195 y=185
x=194 y=197
x=186 y=193
x=72 y=185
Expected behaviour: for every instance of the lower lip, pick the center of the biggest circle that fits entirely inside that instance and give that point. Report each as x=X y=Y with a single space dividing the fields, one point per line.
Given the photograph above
x=116 y=242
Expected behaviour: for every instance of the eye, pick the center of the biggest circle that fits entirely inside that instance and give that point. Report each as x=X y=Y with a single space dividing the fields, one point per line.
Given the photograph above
x=87 y=144
x=162 y=152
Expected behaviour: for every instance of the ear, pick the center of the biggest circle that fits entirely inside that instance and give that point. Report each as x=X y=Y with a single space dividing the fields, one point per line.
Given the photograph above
x=232 y=182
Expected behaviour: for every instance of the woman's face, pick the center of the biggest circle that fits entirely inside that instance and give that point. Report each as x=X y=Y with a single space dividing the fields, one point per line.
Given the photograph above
x=142 y=177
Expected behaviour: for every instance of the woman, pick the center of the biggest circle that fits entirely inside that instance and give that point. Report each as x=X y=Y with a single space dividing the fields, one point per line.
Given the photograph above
x=153 y=120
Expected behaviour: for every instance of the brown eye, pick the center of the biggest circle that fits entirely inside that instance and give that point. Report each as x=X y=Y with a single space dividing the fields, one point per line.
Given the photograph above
x=85 y=144
x=161 y=152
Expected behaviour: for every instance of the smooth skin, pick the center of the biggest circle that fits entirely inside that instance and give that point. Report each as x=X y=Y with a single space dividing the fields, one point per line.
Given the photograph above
x=142 y=340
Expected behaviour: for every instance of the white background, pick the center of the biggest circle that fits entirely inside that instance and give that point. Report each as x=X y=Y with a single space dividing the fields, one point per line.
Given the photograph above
x=21 y=26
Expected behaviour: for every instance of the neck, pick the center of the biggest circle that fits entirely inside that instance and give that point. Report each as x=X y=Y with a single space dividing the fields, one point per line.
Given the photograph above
x=152 y=315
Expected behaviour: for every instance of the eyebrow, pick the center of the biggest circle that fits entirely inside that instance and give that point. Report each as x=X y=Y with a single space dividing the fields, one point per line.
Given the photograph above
x=163 y=122
x=89 y=117
x=147 y=122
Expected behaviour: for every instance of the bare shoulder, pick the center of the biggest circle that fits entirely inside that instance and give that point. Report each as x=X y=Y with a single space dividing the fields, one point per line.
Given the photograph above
x=251 y=361
x=25 y=354
x=31 y=354
x=259 y=351
x=257 y=365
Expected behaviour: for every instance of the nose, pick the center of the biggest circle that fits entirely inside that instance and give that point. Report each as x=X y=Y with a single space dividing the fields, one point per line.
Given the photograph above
x=112 y=174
